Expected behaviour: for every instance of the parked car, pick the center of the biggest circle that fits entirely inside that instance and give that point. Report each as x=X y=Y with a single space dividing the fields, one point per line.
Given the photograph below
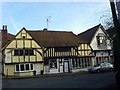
x=101 y=67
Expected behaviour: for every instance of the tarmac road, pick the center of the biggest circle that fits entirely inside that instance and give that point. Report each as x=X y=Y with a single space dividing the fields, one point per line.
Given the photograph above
x=86 y=80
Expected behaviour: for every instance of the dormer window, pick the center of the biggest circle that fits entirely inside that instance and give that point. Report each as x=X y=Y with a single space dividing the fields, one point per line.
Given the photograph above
x=101 y=39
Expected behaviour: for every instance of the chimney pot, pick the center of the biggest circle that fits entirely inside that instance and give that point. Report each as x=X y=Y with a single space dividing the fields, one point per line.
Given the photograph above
x=45 y=29
x=4 y=27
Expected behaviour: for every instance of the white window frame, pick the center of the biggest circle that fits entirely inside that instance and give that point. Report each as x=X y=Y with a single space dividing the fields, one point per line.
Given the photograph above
x=24 y=67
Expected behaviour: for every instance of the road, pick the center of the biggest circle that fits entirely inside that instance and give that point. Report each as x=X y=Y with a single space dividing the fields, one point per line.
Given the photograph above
x=96 y=80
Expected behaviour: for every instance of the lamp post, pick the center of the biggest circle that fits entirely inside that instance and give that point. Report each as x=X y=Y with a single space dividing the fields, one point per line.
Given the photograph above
x=116 y=43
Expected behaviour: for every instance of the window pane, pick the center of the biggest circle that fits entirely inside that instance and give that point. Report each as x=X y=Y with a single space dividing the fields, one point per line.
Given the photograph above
x=21 y=52
x=17 y=67
x=26 y=52
x=98 y=40
x=22 y=67
x=31 y=66
x=27 y=66
x=15 y=52
x=53 y=64
x=31 y=52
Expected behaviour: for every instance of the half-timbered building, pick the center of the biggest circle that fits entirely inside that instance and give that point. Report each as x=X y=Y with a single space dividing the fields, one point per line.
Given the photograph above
x=60 y=50
x=22 y=56
x=100 y=42
x=34 y=52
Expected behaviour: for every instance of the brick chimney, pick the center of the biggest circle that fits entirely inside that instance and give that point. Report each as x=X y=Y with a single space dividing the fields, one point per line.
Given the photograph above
x=4 y=35
x=45 y=29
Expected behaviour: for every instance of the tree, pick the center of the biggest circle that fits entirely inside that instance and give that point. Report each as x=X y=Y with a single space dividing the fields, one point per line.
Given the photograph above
x=106 y=20
x=116 y=43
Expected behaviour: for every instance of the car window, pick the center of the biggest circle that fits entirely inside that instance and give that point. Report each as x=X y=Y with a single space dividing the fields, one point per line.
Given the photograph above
x=97 y=65
x=103 y=64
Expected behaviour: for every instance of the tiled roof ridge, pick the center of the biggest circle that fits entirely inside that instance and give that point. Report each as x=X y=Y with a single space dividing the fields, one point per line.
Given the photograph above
x=90 y=29
x=49 y=31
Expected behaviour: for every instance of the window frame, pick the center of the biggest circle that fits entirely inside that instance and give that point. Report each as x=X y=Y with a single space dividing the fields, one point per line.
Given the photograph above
x=101 y=39
x=23 y=52
x=24 y=67
x=53 y=62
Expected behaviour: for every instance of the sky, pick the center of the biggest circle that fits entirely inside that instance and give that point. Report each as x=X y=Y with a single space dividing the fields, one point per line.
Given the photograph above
x=63 y=16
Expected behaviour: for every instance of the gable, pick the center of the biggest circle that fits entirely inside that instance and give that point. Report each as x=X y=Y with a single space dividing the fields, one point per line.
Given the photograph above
x=23 y=48
x=23 y=40
x=89 y=34
x=94 y=43
x=23 y=34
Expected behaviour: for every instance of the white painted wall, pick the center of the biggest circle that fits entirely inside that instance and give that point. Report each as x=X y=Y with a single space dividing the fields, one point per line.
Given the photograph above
x=102 y=53
x=54 y=70
x=37 y=67
x=94 y=41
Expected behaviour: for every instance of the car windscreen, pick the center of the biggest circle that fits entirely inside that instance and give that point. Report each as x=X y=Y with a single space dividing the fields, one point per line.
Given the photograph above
x=97 y=65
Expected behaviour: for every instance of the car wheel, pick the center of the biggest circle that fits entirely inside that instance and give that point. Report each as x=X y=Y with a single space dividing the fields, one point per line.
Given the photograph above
x=98 y=70
x=111 y=69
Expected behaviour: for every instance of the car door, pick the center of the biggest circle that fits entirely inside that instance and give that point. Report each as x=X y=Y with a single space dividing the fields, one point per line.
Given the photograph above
x=103 y=67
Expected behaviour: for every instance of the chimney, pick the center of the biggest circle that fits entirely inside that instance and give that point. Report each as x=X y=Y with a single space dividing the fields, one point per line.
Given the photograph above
x=45 y=29
x=4 y=35
x=4 y=29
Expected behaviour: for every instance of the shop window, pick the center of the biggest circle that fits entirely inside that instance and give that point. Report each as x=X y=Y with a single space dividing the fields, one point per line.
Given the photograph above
x=75 y=63
x=53 y=64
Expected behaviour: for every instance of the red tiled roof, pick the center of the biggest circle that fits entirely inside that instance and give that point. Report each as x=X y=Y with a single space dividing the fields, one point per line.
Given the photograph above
x=9 y=38
x=55 y=38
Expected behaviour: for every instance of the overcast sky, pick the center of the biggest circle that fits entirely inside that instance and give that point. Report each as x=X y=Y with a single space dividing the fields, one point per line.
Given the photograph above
x=64 y=16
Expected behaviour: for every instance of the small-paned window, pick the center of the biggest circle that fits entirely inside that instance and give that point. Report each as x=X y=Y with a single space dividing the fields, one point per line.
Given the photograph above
x=27 y=66
x=31 y=65
x=26 y=52
x=31 y=52
x=16 y=53
x=17 y=68
x=53 y=64
x=21 y=52
x=101 y=39
x=22 y=67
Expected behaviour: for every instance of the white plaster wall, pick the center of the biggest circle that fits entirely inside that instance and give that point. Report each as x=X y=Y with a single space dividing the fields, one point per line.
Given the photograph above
x=102 y=52
x=94 y=41
x=54 y=71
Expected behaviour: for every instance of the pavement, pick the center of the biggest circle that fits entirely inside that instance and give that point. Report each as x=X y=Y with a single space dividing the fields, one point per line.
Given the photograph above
x=44 y=75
